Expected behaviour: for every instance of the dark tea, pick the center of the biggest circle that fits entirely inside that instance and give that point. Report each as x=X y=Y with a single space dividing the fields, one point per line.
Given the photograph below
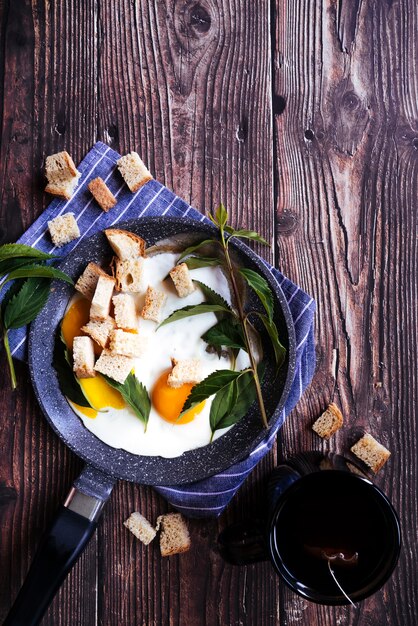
x=333 y=519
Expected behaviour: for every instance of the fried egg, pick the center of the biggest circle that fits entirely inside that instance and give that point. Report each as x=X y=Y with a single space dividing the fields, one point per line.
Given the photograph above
x=112 y=420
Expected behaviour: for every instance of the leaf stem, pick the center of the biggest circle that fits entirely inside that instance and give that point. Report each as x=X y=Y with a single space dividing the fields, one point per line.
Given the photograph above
x=9 y=359
x=243 y=319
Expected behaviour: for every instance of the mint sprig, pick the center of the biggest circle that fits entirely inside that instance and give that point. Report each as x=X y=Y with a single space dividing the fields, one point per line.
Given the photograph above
x=26 y=268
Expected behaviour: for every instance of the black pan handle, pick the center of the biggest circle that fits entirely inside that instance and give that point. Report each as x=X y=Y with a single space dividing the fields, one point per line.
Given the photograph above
x=61 y=546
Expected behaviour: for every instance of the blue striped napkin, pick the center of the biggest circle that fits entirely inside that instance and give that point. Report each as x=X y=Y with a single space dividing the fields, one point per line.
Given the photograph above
x=210 y=496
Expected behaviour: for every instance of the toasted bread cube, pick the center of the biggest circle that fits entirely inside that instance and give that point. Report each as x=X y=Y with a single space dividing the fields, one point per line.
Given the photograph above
x=371 y=452
x=102 y=194
x=62 y=175
x=87 y=282
x=83 y=356
x=329 y=422
x=125 y=244
x=174 y=535
x=99 y=330
x=127 y=344
x=129 y=274
x=140 y=527
x=125 y=311
x=100 y=305
x=133 y=171
x=184 y=372
x=115 y=366
x=154 y=303
x=182 y=280
x=63 y=229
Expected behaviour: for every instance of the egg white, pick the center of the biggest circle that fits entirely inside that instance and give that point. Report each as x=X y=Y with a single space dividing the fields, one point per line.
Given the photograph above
x=120 y=428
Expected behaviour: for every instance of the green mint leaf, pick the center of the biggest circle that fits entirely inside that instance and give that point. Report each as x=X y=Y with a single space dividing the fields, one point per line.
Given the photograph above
x=195 y=262
x=14 y=250
x=210 y=385
x=222 y=405
x=261 y=288
x=279 y=349
x=67 y=380
x=221 y=216
x=23 y=307
x=226 y=333
x=211 y=296
x=246 y=234
x=38 y=271
x=195 y=247
x=135 y=394
x=13 y=290
x=8 y=265
x=194 y=309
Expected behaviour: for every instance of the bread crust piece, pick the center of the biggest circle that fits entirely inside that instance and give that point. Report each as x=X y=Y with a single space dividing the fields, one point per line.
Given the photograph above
x=102 y=194
x=140 y=527
x=62 y=175
x=371 y=452
x=99 y=330
x=186 y=371
x=87 y=281
x=183 y=283
x=67 y=161
x=154 y=303
x=114 y=365
x=128 y=275
x=83 y=356
x=125 y=311
x=63 y=229
x=174 y=535
x=125 y=244
x=126 y=344
x=100 y=305
x=134 y=171
x=329 y=422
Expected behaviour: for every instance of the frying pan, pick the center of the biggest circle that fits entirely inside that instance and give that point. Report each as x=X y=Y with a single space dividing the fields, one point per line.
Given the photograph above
x=77 y=518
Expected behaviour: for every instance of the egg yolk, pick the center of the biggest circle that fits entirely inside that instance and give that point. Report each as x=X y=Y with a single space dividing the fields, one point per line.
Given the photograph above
x=169 y=401
x=97 y=391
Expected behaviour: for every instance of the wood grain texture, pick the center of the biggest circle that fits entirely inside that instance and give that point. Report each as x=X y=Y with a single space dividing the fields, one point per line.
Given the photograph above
x=346 y=174
x=302 y=118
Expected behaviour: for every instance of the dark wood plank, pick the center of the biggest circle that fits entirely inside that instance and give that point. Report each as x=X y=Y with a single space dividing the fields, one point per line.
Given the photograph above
x=48 y=79
x=346 y=172
x=188 y=86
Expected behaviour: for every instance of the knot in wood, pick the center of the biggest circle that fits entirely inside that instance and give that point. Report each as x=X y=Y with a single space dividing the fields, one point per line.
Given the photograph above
x=200 y=19
x=287 y=222
x=350 y=101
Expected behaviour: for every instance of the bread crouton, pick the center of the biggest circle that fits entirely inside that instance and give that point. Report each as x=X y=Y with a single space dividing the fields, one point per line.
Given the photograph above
x=102 y=194
x=62 y=175
x=83 y=356
x=174 y=535
x=63 y=229
x=87 y=282
x=154 y=303
x=115 y=366
x=184 y=372
x=100 y=305
x=125 y=311
x=127 y=344
x=371 y=452
x=126 y=245
x=182 y=281
x=140 y=527
x=99 y=330
x=329 y=422
x=133 y=171
x=129 y=274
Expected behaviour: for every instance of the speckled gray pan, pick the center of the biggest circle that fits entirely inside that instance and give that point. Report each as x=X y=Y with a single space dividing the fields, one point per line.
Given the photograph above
x=190 y=466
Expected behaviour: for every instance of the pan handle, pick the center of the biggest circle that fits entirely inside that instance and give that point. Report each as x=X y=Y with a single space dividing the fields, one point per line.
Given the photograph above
x=61 y=546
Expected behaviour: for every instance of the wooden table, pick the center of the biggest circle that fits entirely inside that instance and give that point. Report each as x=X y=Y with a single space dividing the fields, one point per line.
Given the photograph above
x=301 y=116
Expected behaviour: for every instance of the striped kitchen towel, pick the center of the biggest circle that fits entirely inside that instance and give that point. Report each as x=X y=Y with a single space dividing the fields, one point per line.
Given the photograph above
x=210 y=496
